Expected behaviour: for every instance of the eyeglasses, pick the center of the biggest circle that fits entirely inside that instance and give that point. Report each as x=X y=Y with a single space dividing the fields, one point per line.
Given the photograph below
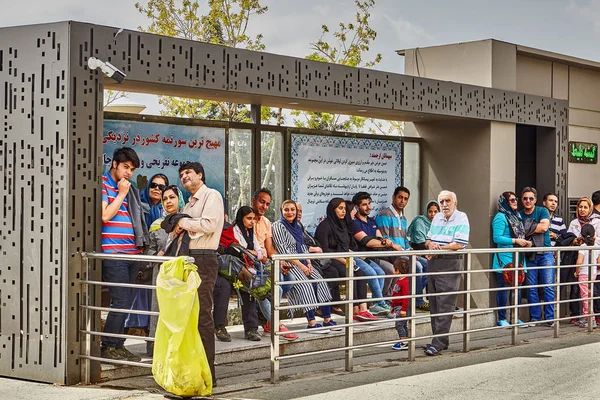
x=159 y=186
x=513 y=200
x=528 y=198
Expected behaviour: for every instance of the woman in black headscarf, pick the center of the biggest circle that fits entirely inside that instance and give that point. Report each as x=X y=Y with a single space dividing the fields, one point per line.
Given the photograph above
x=335 y=237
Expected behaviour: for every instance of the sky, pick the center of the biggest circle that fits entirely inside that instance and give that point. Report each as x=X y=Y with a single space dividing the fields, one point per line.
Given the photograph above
x=570 y=27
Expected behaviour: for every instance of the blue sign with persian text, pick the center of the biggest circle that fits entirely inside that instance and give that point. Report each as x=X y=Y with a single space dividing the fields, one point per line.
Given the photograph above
x=162 y=148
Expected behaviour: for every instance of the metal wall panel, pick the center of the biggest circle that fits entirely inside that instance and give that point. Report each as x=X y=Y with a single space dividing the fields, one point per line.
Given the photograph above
x=34 y=166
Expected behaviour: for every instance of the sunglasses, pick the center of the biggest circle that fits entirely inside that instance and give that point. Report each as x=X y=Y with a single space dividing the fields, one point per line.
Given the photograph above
x=159 y=186
x=513 y=200
x=528 y=198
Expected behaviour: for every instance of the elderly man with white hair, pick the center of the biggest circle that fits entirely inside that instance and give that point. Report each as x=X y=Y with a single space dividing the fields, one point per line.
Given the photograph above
x=449 y=231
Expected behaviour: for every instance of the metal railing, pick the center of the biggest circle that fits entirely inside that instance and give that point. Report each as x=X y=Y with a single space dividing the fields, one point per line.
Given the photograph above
x=89 y=307
x=467 y=272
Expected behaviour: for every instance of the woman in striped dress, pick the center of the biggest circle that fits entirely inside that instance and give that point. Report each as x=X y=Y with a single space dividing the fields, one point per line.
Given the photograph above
x=288 y=239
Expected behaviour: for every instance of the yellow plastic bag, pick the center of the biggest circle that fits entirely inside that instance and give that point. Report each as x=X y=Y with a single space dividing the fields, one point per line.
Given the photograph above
x=179 y=364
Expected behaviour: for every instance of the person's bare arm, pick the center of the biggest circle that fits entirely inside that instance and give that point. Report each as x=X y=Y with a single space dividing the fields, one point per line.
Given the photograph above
x=110 y=210
x=542 y=226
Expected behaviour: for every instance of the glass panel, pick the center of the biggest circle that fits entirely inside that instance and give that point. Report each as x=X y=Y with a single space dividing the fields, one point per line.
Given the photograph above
x=239 y=169
x=271 y=171
x=412 y=179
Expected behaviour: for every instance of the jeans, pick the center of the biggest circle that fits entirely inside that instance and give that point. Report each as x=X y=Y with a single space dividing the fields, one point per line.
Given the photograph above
x=502 y=296
x=118 y=271
x=264 y=305
x=372 y=269
x=541 y=276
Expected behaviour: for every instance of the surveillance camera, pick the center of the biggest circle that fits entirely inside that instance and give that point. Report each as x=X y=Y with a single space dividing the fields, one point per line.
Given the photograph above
x=107 y=68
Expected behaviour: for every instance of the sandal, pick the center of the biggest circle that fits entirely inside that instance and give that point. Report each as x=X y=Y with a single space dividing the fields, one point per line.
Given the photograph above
x=338 y=311
x=432 y=351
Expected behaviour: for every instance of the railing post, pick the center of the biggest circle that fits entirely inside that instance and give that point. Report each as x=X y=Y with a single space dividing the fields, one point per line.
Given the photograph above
x=516 y=299
x=557 y=296
x=467 y=303
x=88 y=321
x=413 y=309
x=349 y=312
x=590 y=316
x=275 y=322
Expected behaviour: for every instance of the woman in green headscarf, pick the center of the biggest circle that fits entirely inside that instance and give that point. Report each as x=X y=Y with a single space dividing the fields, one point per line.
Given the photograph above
x=172 y=202
x=417 y=231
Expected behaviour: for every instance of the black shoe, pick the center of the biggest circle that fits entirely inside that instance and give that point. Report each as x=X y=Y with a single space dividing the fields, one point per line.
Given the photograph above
x=112 y=353
x=129 y=356
x=338 y=311
x=253 y=335
x=222 y=334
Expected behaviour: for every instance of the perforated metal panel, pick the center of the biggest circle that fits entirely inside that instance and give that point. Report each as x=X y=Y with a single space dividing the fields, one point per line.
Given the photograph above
x=34 y=146
x=51 y=112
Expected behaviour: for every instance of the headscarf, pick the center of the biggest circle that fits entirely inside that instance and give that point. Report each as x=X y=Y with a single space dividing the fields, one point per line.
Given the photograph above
x=338 y=226
x=156 y=211
x=248 y=234
x=514 y=218
x=294 y=229
x=584 y=219
x=156 y=224
x=418 y=228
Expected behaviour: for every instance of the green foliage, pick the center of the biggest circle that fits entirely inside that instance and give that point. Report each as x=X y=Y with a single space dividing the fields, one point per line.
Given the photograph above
x=225 y=23
x=348 y=45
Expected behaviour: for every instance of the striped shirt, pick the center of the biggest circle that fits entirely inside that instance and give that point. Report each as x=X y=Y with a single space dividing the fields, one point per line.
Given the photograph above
x=392 y=226
x=117 y=234
x=557 y=226
x=454 y=230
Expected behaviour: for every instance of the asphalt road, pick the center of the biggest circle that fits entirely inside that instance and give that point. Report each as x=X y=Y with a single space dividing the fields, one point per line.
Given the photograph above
x=539 y=367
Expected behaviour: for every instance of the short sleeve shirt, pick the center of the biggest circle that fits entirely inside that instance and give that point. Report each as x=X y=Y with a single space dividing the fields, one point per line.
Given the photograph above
x=262 y=231
x=586 y=253
x=538 y=214
x=369 y=227
x=117 y=234
x=455 y=229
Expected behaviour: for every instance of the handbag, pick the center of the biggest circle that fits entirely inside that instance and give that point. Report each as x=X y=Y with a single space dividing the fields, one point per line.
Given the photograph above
x=508 y=272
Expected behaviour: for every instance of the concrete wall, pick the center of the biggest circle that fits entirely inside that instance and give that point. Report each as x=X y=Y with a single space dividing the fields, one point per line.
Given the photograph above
x=463 y=63
x=479 y=150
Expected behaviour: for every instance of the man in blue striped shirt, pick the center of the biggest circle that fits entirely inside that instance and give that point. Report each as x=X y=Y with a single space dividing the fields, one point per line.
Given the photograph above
x=557 y=225
x=449 y=231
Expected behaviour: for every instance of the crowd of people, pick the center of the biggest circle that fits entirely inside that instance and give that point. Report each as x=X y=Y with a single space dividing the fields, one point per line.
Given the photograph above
x=540 y=227
x=160 y=222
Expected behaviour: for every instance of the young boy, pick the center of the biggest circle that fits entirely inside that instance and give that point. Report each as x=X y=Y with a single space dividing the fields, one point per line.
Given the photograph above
x=400 y=307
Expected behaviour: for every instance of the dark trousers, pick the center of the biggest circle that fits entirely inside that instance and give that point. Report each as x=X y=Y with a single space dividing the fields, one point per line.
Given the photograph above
x=222 y=294
x=334 y=269
x=445 y=303
x=207 y=269
x=118 y=271
x=360 y=287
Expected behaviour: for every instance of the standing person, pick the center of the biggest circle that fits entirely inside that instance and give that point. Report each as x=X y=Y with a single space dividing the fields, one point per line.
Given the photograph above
x=124 y=231
x=584 y=214
x=288 y=239
x=172 y=202
x=205 y=207
x=261 y=201
x=449 y=231
x=151 y=198
x=507 y=232
x=588 y=234
x=401 y=307
x=596 y=201
x=334 y=236
x=557 y=225
x=419 y=227
x=392 y=224
x=540 y=238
